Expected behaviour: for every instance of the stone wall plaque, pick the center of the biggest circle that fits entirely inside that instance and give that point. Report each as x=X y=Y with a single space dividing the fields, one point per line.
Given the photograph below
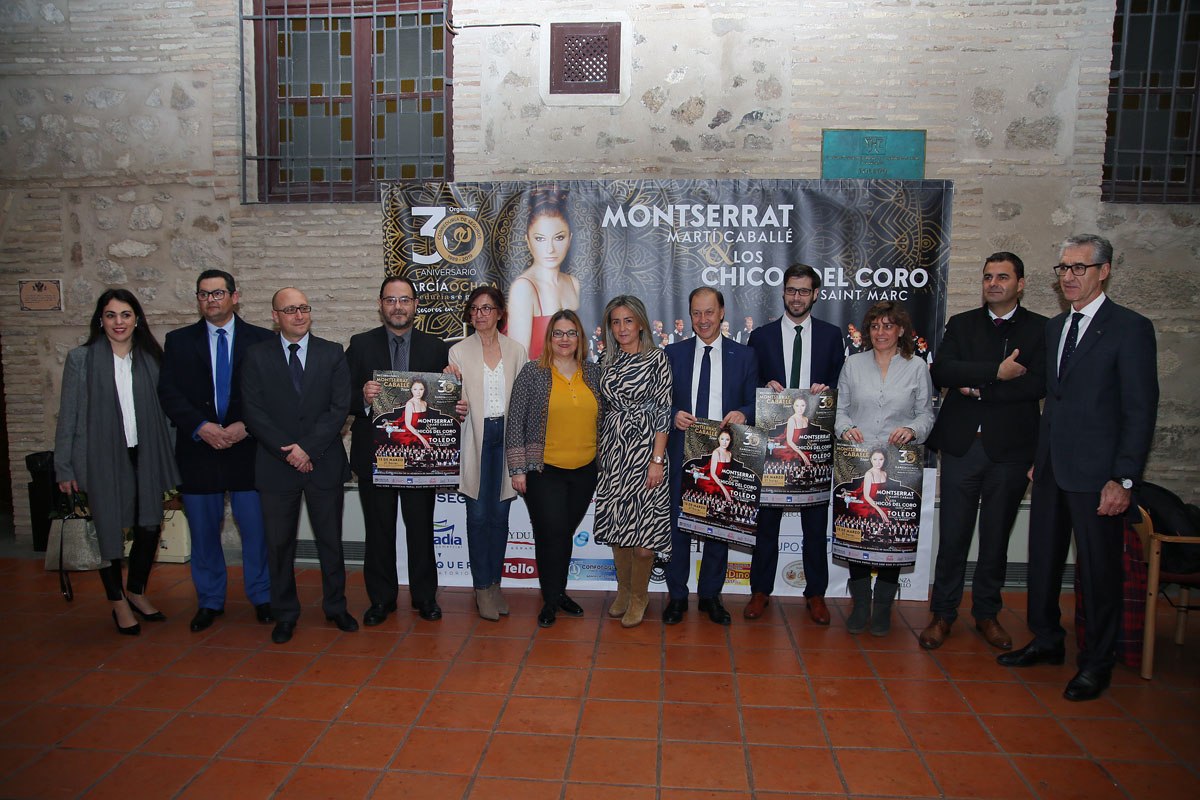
x=879 y=154
x=41 y=295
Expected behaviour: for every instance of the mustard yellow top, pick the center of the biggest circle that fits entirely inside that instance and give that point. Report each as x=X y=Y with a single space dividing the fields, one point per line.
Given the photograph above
x=571 y=423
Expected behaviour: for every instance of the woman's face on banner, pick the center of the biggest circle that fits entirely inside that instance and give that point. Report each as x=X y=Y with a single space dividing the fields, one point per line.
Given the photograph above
x=418 y=390
x=549 y=239
x=800 y=406
x=725 y=439
x=877 y=460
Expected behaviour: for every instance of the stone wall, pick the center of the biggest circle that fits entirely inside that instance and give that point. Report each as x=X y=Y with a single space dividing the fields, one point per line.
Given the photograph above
x=120 y=140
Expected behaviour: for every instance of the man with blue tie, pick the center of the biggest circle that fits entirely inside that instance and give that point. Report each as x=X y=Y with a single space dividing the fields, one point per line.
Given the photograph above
x=1095 y=435
x=795 y=351
x=713 y=377
x=297 y=390
x=200 y=389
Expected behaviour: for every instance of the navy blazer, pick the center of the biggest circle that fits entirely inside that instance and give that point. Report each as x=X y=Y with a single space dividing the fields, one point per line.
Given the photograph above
x=1099 y=416
x=369 y=351
x=185 y=390
x=828 y=355
x=313 y=419
x=739 y=380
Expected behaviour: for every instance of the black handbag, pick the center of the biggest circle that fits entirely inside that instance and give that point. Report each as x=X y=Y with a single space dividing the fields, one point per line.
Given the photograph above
x=74 y=547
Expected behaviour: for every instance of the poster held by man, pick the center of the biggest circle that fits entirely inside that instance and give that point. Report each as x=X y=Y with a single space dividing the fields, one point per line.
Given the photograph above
x=417 y=435
x=799 y=457
x=722 y=479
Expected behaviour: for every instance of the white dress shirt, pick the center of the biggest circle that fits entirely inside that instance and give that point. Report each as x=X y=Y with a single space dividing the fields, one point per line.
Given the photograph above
x=715 y=411
x=123 y=375
x=1088 y=312
x=787 y=330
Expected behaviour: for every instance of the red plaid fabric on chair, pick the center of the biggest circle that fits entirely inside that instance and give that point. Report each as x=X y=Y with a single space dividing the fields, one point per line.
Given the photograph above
x=1133 y=609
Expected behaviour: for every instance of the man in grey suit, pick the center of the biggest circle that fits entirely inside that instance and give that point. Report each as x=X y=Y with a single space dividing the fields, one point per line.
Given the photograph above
x=1096 y=427
x=296 y=392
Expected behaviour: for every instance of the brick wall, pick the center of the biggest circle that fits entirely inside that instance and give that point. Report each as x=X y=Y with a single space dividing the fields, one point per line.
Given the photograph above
x=120 y=139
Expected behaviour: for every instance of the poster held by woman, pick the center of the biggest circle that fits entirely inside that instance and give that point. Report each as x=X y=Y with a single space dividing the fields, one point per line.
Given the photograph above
x=877 y=502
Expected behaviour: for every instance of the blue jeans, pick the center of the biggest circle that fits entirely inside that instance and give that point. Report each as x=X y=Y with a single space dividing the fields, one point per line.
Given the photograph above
x=487 y=517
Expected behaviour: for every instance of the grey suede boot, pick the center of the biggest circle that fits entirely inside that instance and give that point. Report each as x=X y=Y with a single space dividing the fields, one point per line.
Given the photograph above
x=623 y=561
x=860 y=593
x=881 y=614
x=498 y=599
x=485 y=601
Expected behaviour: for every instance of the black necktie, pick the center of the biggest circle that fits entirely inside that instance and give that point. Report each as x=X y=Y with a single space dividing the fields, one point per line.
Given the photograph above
x=1072 y=340
x=294 y=365
x=797 y=358
x=705 y=380
x=399 y=354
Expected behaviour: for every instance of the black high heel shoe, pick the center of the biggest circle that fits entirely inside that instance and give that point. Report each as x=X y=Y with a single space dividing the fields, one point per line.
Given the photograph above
x=132 y=630
x=157 y=616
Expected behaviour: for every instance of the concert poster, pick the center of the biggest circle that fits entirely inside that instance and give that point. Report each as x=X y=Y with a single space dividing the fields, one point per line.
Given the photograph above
x=877 y=502
x=721 y=481
x=417 y=436
x=799 y=458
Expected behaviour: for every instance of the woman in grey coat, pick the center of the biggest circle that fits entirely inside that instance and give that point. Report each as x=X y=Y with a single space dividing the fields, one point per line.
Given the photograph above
x=114 y=442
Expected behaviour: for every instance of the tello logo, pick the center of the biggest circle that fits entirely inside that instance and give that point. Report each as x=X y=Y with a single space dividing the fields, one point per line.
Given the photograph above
x=520 y=568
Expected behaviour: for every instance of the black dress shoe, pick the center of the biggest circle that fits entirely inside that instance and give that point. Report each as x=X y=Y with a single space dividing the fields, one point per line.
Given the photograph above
x=344 y=621
x=569 y=606
x=674 y=611
x=1031 y=655
x=430 y=611
x=377 y=613
x=263 y=612
x=716 y=612
x=132 y=630
x=1087 y=685
x=546 y=617
x=282 y=633
x=157 y=616
x=204 y=618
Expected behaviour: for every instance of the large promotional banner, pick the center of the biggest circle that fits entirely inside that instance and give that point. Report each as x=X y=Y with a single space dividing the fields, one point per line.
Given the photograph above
x=576 y=244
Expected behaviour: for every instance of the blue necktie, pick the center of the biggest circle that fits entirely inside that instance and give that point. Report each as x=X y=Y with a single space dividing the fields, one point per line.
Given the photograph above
x=705 y=380
x=1072 y=340
x=224 y=373
x=295 y=366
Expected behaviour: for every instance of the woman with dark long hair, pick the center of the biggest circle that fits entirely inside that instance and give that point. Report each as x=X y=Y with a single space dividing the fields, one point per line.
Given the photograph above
x=114 y=443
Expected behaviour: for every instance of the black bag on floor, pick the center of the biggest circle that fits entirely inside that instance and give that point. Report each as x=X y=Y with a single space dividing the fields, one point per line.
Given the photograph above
x=1173 y=517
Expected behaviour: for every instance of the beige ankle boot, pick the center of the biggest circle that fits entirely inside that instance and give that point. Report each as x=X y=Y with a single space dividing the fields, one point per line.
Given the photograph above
x=639 y=588
x=623 y=560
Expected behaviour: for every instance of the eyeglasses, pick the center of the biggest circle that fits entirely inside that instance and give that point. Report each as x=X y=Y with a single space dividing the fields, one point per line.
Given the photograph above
x=215 y=294
x=571 y=334
x=790 y=291
x=398 y=301
x=1076 y=269
x=289 y=310
x=481 y=309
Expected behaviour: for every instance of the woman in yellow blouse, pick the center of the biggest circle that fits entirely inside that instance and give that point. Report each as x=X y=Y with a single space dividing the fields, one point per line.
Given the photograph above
x=550 y=441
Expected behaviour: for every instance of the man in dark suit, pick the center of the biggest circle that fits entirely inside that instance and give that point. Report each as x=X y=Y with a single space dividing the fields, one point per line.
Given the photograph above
x=816 y=364
x=395 y=345
x=992 y=362
x=200 y=388
x=713 y=377
x=1096 y=428
x=297 y=390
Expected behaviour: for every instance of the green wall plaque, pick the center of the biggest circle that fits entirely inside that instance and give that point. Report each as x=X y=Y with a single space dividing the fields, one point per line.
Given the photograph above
x=872 y=154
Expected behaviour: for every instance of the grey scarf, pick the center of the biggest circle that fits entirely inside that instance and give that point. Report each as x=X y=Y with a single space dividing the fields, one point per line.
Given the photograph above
x=111 y=485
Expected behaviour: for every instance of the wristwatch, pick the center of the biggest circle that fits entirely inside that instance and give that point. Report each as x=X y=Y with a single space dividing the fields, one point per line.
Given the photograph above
x=1126 y=483
x=660 y=459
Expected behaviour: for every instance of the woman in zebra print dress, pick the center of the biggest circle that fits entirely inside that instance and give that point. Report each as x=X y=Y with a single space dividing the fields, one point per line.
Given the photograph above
x=632 y=502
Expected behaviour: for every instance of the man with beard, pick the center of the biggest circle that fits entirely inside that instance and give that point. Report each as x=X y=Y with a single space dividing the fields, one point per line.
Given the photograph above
x=395 y=345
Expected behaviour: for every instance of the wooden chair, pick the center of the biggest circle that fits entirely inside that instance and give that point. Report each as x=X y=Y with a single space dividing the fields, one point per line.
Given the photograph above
x=1152 y=542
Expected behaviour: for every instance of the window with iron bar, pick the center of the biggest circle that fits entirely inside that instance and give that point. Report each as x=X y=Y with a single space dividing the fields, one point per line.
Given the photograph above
x=341 y=95
x=1152 y=148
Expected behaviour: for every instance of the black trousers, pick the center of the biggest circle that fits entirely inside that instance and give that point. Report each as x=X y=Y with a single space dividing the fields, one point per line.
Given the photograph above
x=1099 y=542
x=281 y=520
x=141 y=558
x=379 y=559
x=975 y=486
x=814 y=523
x=558 y=500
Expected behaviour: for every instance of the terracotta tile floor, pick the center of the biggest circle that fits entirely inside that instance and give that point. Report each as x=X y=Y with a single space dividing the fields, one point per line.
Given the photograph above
x=467 y=708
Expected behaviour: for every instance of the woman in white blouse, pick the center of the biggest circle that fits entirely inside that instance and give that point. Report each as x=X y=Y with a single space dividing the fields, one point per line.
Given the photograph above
x=486 y=362
x=884 y=395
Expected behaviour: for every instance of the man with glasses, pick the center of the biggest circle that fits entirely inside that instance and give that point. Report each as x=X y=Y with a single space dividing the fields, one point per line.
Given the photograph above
x=795 y=351
x=297 y=395
x=1096 y=429
x=394 y=345
x=992 y=362
x=200 y=388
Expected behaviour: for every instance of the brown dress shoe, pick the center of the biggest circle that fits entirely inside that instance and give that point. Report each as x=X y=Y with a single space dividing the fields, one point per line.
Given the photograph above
x=932 y=637
x=993 y=634
x=817 y=610
x=757 y=605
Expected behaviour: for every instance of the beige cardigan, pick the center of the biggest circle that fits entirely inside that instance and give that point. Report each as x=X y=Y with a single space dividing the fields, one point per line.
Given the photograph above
x=467 y=355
